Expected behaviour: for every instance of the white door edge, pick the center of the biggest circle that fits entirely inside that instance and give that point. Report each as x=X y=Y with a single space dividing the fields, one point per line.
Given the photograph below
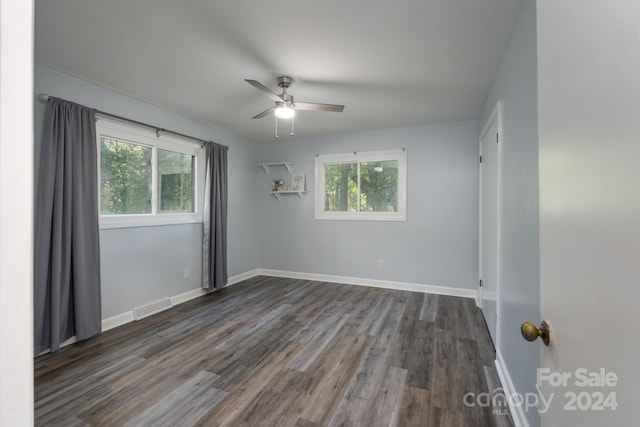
x=496 y=115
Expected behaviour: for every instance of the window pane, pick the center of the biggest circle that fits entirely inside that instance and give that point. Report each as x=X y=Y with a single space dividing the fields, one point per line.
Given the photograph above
x=341 y=187
x=175 y=181
x=125 y=177
x=379 y=186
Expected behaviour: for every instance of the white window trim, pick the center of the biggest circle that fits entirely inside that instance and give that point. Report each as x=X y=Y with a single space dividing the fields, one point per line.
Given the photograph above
x=371 y=156
x=148 y=137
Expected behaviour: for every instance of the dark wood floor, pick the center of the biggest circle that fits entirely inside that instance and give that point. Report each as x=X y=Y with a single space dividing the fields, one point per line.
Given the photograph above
x=279 y=352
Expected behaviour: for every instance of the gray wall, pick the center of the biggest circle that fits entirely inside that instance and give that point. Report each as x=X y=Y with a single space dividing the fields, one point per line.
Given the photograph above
x=141 y=265
x=516 y=84
x=437 y=245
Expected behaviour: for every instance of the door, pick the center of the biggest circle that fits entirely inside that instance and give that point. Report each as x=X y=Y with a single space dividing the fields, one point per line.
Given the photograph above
x=488 y=285
x=589 y=171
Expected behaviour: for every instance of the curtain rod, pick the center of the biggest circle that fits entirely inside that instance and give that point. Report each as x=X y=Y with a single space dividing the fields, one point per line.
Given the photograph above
x=159 y=131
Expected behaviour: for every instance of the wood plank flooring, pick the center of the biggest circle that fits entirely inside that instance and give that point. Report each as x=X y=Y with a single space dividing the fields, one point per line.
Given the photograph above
x=280 y=352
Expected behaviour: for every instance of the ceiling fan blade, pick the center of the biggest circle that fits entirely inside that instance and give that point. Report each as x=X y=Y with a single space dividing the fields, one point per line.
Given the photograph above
x=264 y=113
x=314 y=106
x=264 y=89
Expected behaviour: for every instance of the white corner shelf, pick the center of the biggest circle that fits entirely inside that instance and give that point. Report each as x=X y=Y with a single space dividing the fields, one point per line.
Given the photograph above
x=277 y=194
x=267 y=166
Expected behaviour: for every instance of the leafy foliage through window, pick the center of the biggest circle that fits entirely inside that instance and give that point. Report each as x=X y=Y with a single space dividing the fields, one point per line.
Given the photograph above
x=125 y=178
x=361 y=186
x=175 y=183
x=144 y=180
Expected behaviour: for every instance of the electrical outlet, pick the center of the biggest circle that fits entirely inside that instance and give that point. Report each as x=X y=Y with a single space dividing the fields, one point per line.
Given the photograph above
x=381 y=264
x=187 y=273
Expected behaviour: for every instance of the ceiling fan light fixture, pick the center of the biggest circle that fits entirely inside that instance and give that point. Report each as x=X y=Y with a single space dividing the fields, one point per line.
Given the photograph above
x=285 y=112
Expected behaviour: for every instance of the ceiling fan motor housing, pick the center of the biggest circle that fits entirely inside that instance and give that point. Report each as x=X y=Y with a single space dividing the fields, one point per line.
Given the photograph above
x=287 y=98
x=284 y=81
x=285 y=101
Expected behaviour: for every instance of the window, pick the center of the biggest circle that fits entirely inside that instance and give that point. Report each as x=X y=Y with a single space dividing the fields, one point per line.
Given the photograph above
x=362 y=186
x=145 y=179
x=175 y=181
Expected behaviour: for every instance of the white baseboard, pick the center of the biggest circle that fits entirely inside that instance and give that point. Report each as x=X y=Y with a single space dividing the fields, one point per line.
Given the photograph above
x=517 y=412
x=117 y=320
x=126 y=317
x=401 y=286
x=243 y=276
x=187 y=296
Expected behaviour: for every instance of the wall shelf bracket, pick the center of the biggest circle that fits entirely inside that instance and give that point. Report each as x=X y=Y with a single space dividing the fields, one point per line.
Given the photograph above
x=267 y=166
x=278 y=194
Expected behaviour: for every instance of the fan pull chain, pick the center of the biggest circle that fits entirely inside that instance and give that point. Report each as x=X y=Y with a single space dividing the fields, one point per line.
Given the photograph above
x=292 y=129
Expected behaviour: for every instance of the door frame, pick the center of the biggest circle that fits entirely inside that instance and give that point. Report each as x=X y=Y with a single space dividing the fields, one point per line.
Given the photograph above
x=16 y=212
x=496 y=115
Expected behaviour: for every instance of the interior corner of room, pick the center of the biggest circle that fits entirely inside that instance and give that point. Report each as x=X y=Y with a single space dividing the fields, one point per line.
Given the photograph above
x=141 y=265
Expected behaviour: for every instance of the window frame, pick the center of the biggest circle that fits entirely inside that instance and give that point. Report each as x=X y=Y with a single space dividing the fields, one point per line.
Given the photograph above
x=358 y=157
x=126 y=132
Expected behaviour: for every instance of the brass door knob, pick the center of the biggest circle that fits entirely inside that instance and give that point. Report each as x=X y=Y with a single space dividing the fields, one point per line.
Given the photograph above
x=530 y=332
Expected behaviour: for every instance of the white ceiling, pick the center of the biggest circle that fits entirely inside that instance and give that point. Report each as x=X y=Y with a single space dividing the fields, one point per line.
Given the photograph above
x=392 y=63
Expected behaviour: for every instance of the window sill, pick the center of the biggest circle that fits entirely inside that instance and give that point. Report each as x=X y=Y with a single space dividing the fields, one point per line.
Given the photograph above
x=110 y=222
x=362 y=216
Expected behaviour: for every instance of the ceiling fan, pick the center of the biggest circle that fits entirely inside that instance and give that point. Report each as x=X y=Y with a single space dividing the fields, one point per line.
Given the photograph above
x=285 y=108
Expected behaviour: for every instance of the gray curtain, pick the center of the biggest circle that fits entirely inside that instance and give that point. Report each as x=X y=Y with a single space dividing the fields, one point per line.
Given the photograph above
x=214 y=226
x=67 y=252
